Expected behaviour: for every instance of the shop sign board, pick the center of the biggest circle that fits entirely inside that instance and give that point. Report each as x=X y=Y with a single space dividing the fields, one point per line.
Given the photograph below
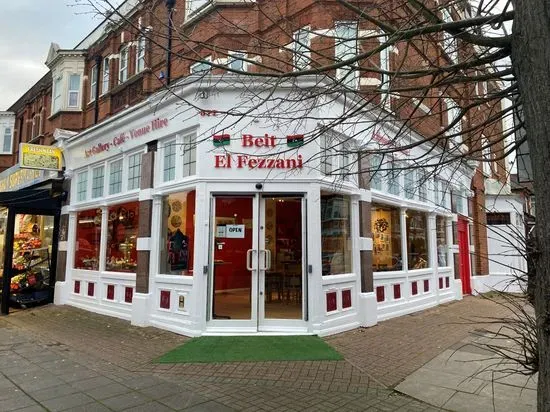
x=34 y=156
x=16 y=178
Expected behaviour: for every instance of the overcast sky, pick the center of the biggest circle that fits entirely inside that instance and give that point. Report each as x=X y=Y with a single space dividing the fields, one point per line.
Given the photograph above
x=27 y=27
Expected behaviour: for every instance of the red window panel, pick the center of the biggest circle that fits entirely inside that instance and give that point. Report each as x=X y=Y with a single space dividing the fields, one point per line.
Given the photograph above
x=447 y=282
x=440 y=283
x=91 y=288
x=426 y=285
x=128 y=295
x=380 y=294
x=331 y=301
x=110 y=292
x=346 y=298
x=165 y=299
x=414 y=288
x=397 y=291
x=77 y=286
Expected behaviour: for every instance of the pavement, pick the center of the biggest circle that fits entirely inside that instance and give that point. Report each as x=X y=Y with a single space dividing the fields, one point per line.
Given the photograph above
x=60 y=358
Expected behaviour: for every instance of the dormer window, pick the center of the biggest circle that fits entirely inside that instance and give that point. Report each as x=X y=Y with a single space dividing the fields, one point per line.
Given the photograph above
x=123 y=69
x=74 y=91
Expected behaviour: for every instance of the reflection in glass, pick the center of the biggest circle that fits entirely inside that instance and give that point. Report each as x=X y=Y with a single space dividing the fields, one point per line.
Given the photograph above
x=417 y=240
x=88 y=237
x=122 y=237
x=178 y=232
x=335 y=234
x=441 y=231
x=386 y=237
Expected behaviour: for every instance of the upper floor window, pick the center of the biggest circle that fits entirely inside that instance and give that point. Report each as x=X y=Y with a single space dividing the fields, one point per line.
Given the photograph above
x=487 y=156
x=202 y=66
x=57 y=93
x=7 y=142
x=98 y=180
x=193 y=5
x=301 y=50
x=384 y=75
x=74 y=91
x=93 y=82
x=169 y=161
x=123 y=69
x=134 y=171
x=449 y=41
x=140 y=54
x=345 y=48
x=106 y=76
x=36 y=125
x=375 y=173
x=236 y=61
x=115 y=177
x=453 y=115
x=82 y=186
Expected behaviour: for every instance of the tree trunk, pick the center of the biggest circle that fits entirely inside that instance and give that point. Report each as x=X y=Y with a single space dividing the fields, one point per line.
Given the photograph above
x=531 y=63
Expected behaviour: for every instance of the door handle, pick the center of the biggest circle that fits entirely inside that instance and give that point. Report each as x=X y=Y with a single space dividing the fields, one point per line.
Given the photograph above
x=249 y=253
x=267 y=264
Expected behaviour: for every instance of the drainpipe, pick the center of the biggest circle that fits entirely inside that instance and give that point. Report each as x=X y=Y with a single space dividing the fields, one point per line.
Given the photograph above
x=170 y=6
x=98 y=60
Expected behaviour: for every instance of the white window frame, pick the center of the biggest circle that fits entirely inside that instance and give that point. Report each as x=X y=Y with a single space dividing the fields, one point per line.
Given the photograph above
x=384 y=77
x=192 y=6
x=345 y=47
x=197 y=68
x=450 y=43
x=375 y=164
x=234 y=57
x=123 y=67
x=57 y=95
x=140 y=54
x=167 y=148
x=7 y=136
x=189 y=161
x=131 y=156
x=112 y=172
x=394 y=178
x=81 y=195
x=409 y=183
x=106 y=75
x=453 y=112
x=93 y=82
x=94 y=168
x=301 y=49
x=74 y=92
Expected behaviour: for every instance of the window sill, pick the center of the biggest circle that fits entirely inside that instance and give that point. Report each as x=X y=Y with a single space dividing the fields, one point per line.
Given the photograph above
x=64 y=111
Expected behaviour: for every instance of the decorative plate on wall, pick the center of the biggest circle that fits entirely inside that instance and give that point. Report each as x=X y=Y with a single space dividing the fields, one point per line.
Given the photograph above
x=175 y=221
x=176 y=206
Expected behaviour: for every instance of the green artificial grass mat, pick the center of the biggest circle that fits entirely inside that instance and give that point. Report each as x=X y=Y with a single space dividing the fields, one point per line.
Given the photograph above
x=210 y=349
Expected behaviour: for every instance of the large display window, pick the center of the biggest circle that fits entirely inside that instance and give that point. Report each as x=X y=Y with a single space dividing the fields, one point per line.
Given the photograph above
x=417 y=240
x=335 y=234
x=178 y=229
x=88 y=239
x=122 y=237
x=386 y=232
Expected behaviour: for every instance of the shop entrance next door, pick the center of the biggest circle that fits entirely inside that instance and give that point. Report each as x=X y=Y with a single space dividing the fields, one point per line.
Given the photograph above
x=258 y=256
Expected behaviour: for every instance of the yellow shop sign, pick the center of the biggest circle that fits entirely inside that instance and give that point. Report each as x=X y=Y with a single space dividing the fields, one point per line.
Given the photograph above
x=33 y=156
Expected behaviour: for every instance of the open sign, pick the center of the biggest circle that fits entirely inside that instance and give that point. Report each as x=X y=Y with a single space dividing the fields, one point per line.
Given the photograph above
x=235 y=231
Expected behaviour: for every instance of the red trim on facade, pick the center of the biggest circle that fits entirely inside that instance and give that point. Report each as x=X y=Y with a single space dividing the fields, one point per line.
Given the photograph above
x=426 y=285
x=165 y=299
x=128 y=294
x=111 y=292
x=76 y=286
x=380 y=294
x=397 y=291
x=91 y=288
x=346 y=299
x=331 y=301
x=414 y=288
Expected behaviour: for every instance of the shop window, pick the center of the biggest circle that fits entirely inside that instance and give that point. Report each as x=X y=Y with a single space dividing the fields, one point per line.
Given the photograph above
x=88 y=239
x=335 y=234
x=98 y=178
x=134 y=171
x=169 y=161
x=417 y=240
x=441 y=235
x=81 y=186
x=74 y=91
x=189 y=156
x=301 y=48
x=178 y=229
x=386 y=230
x=115 y=177
x=122 y=238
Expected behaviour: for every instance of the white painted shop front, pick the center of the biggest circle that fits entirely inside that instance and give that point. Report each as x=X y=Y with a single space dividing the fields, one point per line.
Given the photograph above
x=249 y=233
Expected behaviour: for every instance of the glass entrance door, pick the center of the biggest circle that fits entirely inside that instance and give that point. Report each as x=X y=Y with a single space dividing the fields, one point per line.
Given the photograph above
x=258 y=258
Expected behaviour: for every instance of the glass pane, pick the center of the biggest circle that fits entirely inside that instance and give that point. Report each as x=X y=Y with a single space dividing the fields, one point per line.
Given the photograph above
x=88 y=239
x=169 y=166
x=98 y=175
x=82 y=186
x=178 y=227
x=386 y=232
x=122 y=237
x=134 y=171
x=283 y=277
x=232 y=281
x=335 y=234
x=32 y=250
x=417 y=240
x=74 y=82
x=441 y=231
x=115 y=177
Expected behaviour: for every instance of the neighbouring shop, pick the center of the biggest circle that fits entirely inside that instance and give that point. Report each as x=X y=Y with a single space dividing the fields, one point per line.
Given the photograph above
x=30 y=205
